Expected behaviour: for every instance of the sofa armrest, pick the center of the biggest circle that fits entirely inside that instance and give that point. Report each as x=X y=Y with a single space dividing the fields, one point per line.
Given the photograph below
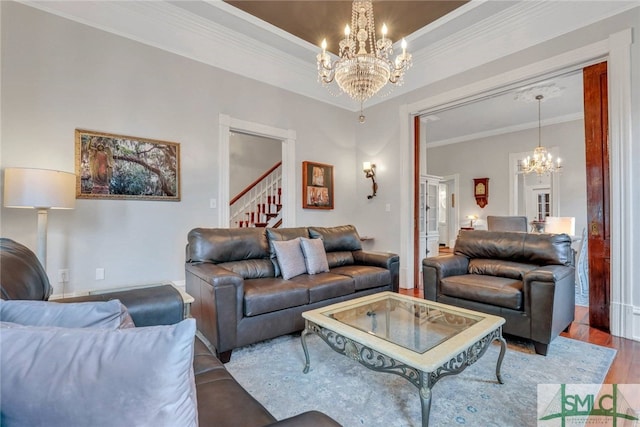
x=148 y=306
x=217 y=306
x=549 y=273
x=549 y=289
x=437 y=268
x=387 y=260
x=307 y=419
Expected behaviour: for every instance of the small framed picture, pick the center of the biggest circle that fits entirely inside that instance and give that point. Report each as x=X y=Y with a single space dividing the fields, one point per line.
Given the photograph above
x=317 y=186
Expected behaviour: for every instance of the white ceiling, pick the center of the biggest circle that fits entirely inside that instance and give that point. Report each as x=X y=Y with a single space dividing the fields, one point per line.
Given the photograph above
x=505 y=113
x=215 y=33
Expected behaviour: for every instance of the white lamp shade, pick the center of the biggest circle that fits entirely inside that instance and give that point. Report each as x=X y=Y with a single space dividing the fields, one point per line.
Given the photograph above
x=39 y=188
x=560 y=224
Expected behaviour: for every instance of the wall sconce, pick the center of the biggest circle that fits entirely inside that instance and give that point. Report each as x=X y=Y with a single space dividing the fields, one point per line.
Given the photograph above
x=370 y=172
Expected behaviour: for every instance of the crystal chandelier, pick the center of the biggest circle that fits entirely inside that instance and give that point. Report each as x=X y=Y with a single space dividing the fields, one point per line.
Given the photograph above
x=363 y=73
x=541 y=163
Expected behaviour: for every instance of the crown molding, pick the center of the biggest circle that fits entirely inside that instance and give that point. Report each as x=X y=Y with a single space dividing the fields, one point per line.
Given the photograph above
x=217 y=34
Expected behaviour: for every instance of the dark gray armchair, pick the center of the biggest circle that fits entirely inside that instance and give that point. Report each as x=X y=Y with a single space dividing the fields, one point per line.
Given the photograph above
x=527 y=278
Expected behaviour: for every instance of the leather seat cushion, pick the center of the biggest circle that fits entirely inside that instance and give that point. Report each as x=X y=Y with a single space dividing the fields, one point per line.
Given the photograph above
x=324 y=286
x=272 y=294
x=365 y=276
x=500 y=291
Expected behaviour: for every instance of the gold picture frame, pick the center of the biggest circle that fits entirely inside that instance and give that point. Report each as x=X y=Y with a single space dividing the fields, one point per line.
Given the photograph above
x=110 y=166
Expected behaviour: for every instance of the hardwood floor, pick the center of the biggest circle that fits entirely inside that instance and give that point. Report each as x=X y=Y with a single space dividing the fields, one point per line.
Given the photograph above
x=625 y=368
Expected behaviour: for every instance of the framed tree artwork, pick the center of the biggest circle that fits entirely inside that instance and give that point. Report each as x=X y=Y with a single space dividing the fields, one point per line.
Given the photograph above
x=112 y=166
x=317 y=186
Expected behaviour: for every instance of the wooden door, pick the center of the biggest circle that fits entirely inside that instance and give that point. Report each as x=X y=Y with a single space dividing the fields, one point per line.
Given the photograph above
x=596 y=123
x=417 y=256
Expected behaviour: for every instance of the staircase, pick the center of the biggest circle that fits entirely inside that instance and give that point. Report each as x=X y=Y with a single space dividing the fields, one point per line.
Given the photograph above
x=260 y=203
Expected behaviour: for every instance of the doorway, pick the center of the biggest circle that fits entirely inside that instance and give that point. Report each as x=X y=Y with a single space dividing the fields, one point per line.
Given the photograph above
x=227 y=125
x=617 y=50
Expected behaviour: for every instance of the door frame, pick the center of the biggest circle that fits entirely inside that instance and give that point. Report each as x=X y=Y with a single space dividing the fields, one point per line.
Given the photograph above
x=616 y=50
x=288 y=138
x=453 y=213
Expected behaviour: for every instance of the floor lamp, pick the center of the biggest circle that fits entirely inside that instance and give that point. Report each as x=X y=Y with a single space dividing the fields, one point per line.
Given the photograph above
x=40 y=189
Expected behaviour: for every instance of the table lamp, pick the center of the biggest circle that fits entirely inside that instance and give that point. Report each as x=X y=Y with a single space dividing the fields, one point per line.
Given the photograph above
x=40 y=189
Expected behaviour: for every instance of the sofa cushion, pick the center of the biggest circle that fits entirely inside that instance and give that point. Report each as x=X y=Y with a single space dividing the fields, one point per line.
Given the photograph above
x=340 y=238
x=365 y=276
x=226 y=244
x=250 y=268
x=534 y=248
x=290 y=257
x=315 y=257
x=279 y=234
x=336 y=259
x=324 y=286
x=499 y=291
x=98 y=377
x=21 y=276
x=102 y=314
x=501 y=268
x=272 y=294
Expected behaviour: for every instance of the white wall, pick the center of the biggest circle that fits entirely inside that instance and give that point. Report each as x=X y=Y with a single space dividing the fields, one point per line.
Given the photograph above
x=249 y=157
x=489 y=157
x=58 y=75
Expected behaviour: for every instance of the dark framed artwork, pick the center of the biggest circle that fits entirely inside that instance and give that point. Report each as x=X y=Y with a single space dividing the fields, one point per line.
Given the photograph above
x=110 y=166
x=317 y=186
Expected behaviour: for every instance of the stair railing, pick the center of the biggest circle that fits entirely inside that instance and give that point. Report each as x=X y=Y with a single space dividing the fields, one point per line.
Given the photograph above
x=259 y=202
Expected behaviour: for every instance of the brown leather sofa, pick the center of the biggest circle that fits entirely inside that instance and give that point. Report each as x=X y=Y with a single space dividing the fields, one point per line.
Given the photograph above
x=527 y=278
x=221 y=400
x=241 y=298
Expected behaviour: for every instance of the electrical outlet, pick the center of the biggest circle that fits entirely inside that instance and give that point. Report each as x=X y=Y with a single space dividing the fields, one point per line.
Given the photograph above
x=213 y=203
x=99 y=273
x=63 y=276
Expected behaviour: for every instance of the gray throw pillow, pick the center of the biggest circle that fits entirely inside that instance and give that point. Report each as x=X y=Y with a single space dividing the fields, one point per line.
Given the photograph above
x=59 y=377
x=96 y=314
x=315 y=257
x=290 y=258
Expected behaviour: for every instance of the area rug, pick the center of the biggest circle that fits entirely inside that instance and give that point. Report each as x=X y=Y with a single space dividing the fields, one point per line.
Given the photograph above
x=356 y=396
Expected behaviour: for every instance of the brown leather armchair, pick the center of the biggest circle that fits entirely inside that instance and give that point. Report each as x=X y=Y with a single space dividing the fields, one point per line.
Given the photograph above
x=527 y=278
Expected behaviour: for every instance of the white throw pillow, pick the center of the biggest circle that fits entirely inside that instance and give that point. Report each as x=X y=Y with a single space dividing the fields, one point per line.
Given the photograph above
x=315 y=256
x=290 y=258
x=60 y=377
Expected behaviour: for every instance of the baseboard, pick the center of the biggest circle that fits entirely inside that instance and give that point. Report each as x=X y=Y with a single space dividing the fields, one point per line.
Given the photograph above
x=636 y=324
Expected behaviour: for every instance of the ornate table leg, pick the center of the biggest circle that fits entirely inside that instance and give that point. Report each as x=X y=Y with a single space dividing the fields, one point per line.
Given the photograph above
x=503 y=349
x=306 y=350
x=425 y=401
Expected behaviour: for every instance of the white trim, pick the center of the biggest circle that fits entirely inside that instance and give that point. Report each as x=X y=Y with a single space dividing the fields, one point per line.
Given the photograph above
x=623 y=263
x=454 y=224
x=618 y=50
x=406 y=198
x=288 y=138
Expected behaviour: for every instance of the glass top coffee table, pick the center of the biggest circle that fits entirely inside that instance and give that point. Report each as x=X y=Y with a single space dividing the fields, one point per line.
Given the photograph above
x=417 y=339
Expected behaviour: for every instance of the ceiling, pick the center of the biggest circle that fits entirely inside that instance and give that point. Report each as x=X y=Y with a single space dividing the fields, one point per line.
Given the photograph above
x=314 y=21
x=442 y=35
